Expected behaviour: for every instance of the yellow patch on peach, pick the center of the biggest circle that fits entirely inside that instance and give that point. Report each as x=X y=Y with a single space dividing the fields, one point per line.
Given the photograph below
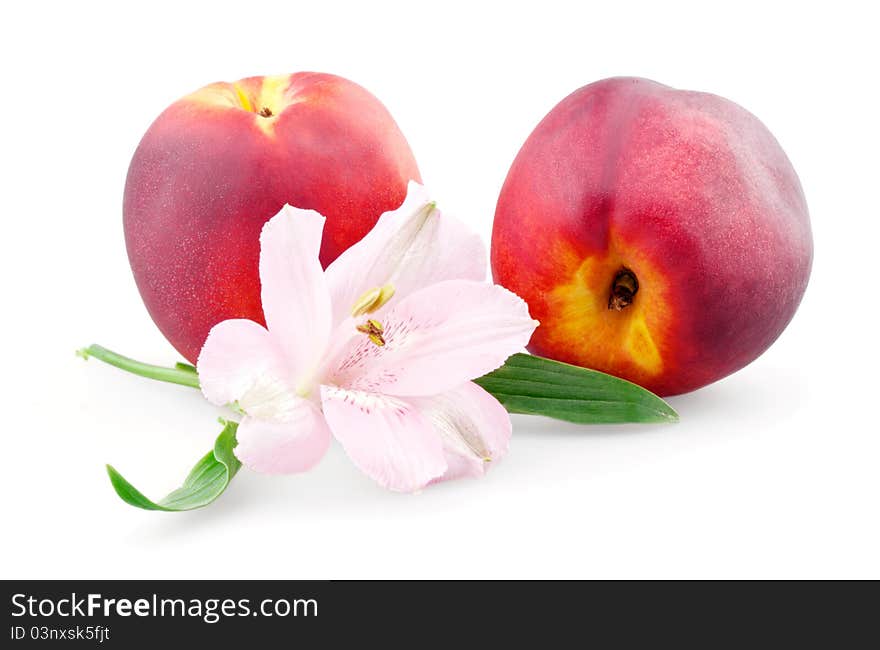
x=605 y=338
x=264 y=97
x=243 y=98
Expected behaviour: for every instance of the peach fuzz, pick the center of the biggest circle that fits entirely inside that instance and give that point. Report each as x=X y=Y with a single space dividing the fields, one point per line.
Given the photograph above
x=218 y=163
x=658 y=235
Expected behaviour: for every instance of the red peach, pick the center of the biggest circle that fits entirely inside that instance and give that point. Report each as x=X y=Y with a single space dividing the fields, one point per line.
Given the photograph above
x=218 y=163
x=658 y=235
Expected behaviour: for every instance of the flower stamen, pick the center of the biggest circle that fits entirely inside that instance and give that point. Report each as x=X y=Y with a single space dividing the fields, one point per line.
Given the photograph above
x=373 y=329
x=372 y=300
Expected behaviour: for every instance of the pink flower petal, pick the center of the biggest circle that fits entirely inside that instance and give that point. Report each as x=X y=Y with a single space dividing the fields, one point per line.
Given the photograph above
x=296 y=302
x=295 y=444
x=387 y=438
x=473 y=425
x=435 y=340
x=411 y=248
x=236 y=354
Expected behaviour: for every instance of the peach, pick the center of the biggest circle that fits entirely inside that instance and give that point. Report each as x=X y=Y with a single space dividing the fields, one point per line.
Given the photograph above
x=658 y=235
x=218 y=163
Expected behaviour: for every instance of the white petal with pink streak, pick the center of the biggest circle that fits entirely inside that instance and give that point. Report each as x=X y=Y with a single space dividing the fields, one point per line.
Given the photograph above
x=296 y=302
x=236 y=355
x=411 y=248
x=294 y=442
x=387 y=438
x=474 y=427
x=435 y=340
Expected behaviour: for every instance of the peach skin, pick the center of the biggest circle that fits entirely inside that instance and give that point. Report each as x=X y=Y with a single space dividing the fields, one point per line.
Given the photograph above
x=658 y=235
x=218 y=163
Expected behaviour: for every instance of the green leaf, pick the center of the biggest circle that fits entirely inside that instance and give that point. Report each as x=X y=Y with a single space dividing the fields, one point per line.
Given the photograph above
x=537 y=386
x=207 y=480
x=190 y=368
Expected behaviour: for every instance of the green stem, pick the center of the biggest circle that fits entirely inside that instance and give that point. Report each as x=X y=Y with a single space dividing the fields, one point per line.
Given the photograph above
x=182 y=374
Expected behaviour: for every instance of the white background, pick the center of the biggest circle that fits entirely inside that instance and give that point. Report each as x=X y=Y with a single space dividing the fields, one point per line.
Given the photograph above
x=772 y=472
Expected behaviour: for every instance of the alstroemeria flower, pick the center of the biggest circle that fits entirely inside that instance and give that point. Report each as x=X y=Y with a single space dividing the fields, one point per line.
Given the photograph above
x=379 y=350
